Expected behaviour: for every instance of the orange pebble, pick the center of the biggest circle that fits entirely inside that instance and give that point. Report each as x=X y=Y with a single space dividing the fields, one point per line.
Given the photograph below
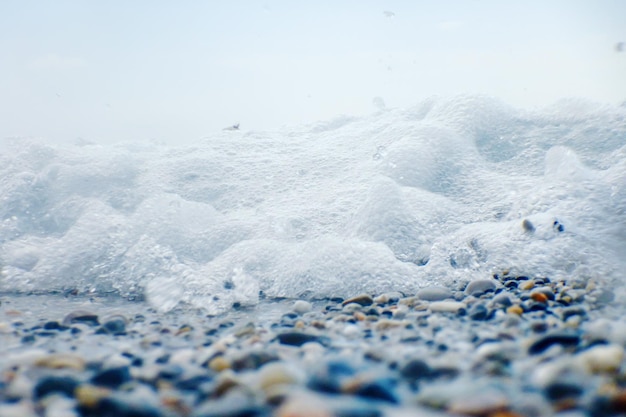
x=539 y=297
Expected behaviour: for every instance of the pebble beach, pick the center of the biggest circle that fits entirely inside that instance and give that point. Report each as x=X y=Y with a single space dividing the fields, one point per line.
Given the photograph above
x=503 y=346
x=456 y=258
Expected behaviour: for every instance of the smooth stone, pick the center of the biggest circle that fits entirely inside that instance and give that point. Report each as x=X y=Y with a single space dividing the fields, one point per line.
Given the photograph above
x=351 y=331
x=447 y=306
x=117 y=407
x=54 y=325
x=253 y=360
x=65 y=385
x=219 y=363
x=61 y=361
x=434 y=293
x=415 y=369
x=547 y=291
x=88 y=395
x=297 y=338
x=302 y=307
x=503 y=299
x=352 y=308
x=565 y=339
x=480 y=286
x=377 y=390
x=558 y=391
x=304 y=405
x=602 y=358
x=112 y=378
x=478 y=312
x=278 y=373
x=388 y=298
x=485 y=403
x=115 y=325
x=362 y=299
x=81 y=316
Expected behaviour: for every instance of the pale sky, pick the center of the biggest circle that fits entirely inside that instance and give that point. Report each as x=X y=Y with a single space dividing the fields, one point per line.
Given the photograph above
x=176 y=71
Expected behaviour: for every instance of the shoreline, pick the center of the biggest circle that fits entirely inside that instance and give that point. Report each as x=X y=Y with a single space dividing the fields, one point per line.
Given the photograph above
x=507 y=346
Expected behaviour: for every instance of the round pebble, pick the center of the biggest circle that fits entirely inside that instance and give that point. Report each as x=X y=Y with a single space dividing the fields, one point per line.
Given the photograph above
x=480 y=286
x=302 y=307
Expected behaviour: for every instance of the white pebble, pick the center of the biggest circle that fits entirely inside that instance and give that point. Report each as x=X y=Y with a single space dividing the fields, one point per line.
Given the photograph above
x=446 y=306
x=602 y=358
x=302 y=307
x=351 y=331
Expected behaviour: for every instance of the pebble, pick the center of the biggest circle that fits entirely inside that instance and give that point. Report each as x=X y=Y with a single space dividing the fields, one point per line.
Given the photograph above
x=558 y=391
x=296 y=338
x=89 y=396
x=112 y=378
x=515 y=309
x=118 y=407
x=61 y=361
x=81 y=316
x=526 y=285
x=278 y=373
x=502 y=299
x=114 y=325
x=362 y=300
x=304 y=405
x=602 y=358
x=484 y=403
x=302 y=307
x=561 y=338
x=480 y=286
x=447 y=306
x=65 y=385
x=479 y=311
x=415 y=369
x=253 y=360
x=434 y=293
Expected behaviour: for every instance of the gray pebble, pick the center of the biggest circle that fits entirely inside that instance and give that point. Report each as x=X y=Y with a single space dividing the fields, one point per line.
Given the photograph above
x=478 y=312
x=81 y=316
x=434 y=293
x=480 y=287
x=503 y=299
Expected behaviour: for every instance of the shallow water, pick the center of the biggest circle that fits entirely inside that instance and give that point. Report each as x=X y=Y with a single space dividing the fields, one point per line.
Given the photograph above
x=436 y=193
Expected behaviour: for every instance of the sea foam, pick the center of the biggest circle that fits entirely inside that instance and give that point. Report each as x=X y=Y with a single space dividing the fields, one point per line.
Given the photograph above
x=393 y=201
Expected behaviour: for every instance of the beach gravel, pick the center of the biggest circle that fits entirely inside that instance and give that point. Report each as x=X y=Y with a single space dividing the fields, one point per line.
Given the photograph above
x=506 y=346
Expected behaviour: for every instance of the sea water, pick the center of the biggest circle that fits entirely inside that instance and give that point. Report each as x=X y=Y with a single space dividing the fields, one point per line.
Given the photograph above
x=444 y=192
